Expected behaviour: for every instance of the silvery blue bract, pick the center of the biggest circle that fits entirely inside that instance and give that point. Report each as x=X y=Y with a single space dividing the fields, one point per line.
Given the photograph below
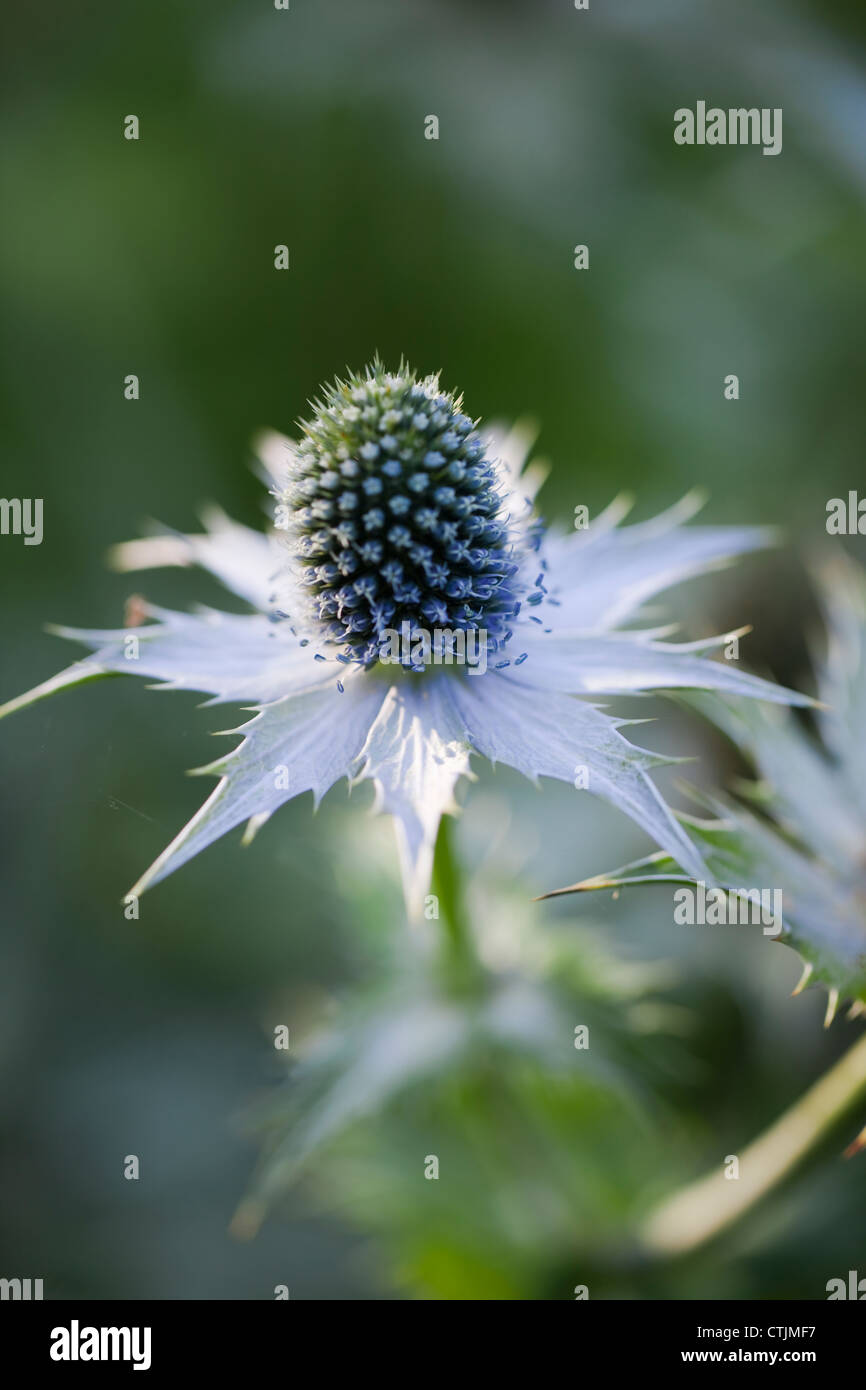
x=805 y=839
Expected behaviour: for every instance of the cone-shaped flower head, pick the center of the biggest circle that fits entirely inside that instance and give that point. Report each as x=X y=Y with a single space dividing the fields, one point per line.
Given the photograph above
x=398 y=516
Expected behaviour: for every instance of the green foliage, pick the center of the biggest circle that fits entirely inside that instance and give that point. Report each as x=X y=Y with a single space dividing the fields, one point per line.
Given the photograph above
x=535 y=1081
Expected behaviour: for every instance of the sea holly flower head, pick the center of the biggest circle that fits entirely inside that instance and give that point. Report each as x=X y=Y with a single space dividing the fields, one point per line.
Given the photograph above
x=398 y=520
x=394 y=512
x=799 y=830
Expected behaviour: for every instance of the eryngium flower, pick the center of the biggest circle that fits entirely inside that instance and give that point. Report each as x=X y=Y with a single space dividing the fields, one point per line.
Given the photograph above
x=395 y=514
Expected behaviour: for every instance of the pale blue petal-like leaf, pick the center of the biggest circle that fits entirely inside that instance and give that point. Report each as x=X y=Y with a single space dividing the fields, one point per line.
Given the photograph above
x=248 y=563
x=563 y=737
x=80 y=673
x=806 y=791
x=305 y=742
x=601 y=575
x=822 y=911
x=237 y=658
x=415 y=753
x=620 y=663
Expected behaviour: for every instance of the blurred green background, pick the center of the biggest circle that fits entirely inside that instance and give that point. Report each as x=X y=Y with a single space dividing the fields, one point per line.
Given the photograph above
x=156 y=257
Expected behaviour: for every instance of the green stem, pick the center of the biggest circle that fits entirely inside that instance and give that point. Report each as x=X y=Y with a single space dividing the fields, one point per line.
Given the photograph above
x=459 y=954
x=702 y=1210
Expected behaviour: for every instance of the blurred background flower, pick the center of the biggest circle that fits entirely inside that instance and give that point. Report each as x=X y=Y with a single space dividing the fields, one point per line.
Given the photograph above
x=156 y=257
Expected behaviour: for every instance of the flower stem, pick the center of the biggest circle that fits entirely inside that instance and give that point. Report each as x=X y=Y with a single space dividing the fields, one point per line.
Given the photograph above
x=460 y=958
x=702 y=1210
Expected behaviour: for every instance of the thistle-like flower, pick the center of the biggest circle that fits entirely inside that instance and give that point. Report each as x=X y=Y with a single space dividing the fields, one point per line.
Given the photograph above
x=410 y=610
x=804 y=835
